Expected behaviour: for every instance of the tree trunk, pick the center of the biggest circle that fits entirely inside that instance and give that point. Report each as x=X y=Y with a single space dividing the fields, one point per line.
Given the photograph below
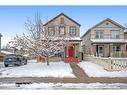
x=47 y=60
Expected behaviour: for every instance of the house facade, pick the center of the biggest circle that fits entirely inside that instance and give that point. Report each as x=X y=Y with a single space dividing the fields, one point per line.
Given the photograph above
x=105 y=39
x=64 y=25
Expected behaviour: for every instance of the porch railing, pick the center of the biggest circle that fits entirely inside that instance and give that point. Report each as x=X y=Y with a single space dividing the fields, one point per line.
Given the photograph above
x=110 y=64
x=119 y=53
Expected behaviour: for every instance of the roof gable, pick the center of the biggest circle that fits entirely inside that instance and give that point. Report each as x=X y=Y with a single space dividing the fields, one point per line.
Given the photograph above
x=106 y=20
x=110 y=21
x=64 y=16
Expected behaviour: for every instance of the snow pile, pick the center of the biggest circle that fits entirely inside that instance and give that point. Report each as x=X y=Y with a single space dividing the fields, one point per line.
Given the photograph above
x=109 y=40
x=94 y=70
x=33 y=69
x=6 y=52
x=66 y=86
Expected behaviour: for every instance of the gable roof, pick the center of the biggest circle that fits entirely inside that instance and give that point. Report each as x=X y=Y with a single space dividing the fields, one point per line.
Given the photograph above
x=63 y=15
x=107 y=19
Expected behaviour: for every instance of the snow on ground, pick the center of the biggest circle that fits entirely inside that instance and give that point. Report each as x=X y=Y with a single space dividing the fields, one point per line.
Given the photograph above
x=33 y=69
x=79 y=86
x=94 y=70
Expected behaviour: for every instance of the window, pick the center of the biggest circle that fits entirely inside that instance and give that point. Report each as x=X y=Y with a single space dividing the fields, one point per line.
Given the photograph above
x=62 y=30
x=115 y=34
x=72 y=31
x=99 y=35
x=50 y=31
x=116 y=47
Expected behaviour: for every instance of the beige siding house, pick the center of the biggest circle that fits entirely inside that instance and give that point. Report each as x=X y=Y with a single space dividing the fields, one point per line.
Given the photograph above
x=64 y=25
x=106 y=39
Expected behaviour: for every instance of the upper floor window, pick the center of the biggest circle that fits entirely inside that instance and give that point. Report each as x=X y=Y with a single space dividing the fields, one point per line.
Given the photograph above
x=51 y=31
x=116 y=47
x=99 y=35
x=61 y=30
x=115 y=34
x=72 y=31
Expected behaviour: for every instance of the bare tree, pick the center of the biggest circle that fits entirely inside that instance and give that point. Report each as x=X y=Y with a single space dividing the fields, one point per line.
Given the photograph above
x=38 y=42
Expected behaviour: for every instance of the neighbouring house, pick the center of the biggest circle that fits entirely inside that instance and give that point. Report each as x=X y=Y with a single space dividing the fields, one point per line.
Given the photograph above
x=106 y=39
x=3 y=53
x=64 y=25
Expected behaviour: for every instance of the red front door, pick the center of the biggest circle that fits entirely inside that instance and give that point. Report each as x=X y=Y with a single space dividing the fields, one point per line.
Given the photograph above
x=70 y=51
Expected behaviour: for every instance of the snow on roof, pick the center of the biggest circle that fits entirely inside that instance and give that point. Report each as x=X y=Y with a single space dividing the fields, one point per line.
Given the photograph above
x=26 y=55
x=65 y=38
x=6 y=52
x=75 y=38
x=109 y=40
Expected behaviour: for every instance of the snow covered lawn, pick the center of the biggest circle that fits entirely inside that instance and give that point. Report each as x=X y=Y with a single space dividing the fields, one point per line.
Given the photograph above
x=80 y=86
x=33 y=69
x=94 y=70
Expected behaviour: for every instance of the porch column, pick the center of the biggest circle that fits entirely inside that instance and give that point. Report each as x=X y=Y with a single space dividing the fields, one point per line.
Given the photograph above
x=93 y=50
x=66 y=52
x=111 y=51
x=107 y=50
x=123 y=50
x=76 y=49
x=123 y=47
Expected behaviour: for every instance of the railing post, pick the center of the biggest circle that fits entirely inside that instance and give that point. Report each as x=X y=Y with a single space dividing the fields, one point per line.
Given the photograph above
x=109 y=64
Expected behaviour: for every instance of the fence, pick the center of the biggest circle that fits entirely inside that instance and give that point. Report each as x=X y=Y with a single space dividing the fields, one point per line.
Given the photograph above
x=110 y=64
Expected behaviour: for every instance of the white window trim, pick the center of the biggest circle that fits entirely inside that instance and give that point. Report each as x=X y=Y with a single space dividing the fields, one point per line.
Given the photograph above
x=100 y=36
x=115 y=36
x=51 y=33
x=60 y=30
x=70 y=31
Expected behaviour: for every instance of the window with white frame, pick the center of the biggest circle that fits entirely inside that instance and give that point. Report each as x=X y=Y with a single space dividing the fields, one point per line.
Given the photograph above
x=116 y=47
x=72 y=30
x=61 y=30
x=50 y=31
x=115 y=34
x=99 y=34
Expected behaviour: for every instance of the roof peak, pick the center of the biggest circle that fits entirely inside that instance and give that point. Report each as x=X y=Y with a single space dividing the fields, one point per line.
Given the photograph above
x=63 y=15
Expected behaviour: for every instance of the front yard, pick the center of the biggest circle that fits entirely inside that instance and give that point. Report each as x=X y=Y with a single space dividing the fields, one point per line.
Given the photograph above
x=94 y=70
x=57 y=69
x=34 y=69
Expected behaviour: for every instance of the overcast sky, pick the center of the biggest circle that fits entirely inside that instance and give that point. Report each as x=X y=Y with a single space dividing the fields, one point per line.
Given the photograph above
x=12 y=18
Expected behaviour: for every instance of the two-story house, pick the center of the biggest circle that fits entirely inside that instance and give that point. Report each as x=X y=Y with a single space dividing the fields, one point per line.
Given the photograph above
x=64 y=25
x=105 y=39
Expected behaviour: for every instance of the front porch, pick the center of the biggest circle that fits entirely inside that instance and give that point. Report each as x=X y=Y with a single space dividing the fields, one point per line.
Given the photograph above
x=72 y=53
x=109 y=50
x=69 y=54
